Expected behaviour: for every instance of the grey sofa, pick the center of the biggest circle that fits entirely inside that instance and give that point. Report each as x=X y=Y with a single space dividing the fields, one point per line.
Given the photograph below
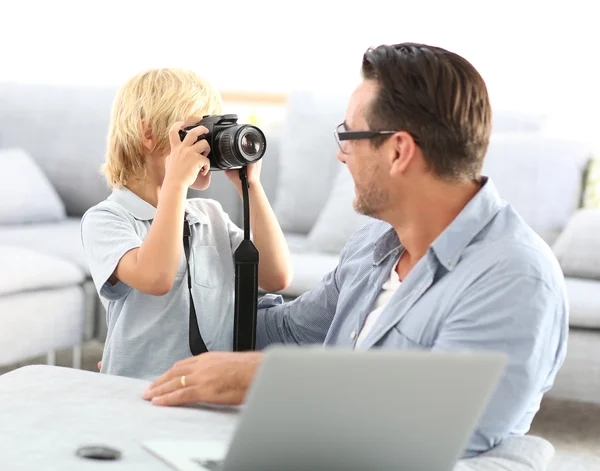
x=64 y=129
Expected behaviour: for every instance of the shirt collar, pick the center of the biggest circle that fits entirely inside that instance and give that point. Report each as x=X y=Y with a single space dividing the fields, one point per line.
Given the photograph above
x=451 y=243
x=144 y=211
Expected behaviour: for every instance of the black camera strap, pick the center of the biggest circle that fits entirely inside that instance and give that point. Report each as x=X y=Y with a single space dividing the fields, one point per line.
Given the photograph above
x=246 y=286
x=246 y=282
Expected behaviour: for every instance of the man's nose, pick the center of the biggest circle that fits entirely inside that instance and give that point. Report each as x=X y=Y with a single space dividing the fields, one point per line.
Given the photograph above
x=341 y=156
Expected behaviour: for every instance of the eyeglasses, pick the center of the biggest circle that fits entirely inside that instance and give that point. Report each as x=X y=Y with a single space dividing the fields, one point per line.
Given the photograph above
x=342 y=136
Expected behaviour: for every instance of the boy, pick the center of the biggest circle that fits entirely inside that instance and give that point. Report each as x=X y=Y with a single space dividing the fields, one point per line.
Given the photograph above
x=133 y=240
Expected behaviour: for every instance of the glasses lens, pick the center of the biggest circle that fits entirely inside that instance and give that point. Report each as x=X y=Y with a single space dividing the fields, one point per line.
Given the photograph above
x=341 y=144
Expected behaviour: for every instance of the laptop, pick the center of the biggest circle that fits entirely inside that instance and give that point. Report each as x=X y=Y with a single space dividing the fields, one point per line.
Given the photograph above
x=335 y=409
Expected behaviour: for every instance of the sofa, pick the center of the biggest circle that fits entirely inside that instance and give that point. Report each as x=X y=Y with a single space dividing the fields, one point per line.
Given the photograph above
x=61 y=132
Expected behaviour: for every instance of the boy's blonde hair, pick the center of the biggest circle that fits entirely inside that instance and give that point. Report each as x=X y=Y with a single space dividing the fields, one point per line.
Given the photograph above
x=158 y=98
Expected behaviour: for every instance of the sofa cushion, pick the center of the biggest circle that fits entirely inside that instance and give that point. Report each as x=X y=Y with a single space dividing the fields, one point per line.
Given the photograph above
x=514 y=121
x=309 y=270
x=540 y=176
x=528 y=453
x=309 y=266
x=27 y=270
x=34 y=323
x=338 y=220
x=64 y=129
x=61 y=240
x=307 y=164
x=578 y=246
x=584 y=302
x=26 y=193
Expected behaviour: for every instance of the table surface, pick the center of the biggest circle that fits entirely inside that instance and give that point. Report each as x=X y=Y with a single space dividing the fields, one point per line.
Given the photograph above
x=47 y=413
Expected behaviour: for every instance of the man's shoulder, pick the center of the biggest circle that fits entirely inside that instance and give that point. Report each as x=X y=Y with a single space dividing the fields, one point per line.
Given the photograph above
x=511 y=247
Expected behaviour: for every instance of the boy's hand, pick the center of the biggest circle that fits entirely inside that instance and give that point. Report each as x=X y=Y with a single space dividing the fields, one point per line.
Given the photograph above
x=187 y=160
x=253 y=171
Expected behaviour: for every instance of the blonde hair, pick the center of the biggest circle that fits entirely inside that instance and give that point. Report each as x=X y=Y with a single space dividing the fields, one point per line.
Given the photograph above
x=158 y=98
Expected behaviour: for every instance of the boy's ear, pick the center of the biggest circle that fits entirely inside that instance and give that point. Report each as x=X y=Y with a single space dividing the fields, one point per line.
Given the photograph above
x=147 y=136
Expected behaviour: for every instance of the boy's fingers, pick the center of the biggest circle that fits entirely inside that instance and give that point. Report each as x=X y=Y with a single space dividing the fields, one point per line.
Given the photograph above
x=193 y=134
x=202 y=147
x=174 y=138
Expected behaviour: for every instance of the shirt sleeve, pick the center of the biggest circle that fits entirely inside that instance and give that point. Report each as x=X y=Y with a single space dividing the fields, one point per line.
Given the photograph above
x=107 y=236
x=522 y=317
x=305 y=320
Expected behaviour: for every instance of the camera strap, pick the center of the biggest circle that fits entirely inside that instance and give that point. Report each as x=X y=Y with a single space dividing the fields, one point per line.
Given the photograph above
x=246 y=286
x=246 y=282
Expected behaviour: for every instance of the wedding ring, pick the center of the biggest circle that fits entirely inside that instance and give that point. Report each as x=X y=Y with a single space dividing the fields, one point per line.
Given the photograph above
x=183 y=383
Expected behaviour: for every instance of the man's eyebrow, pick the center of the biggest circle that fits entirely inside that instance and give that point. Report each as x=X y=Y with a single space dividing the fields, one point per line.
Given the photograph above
x=345 y=124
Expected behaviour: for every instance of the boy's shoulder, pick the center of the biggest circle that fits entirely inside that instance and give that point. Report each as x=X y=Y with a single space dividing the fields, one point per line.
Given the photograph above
x=107 y=208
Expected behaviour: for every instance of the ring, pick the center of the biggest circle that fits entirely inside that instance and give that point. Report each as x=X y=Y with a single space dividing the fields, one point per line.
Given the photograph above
x=183 y=383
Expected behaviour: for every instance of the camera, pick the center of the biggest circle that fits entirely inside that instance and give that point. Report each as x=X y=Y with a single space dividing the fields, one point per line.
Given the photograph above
x=232 y=145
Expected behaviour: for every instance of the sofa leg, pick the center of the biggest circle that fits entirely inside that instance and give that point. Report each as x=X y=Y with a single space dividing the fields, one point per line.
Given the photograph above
x=51 y=358
x=77 y=357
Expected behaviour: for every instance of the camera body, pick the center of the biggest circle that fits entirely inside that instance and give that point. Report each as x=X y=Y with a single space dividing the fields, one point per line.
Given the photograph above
x=232 y=145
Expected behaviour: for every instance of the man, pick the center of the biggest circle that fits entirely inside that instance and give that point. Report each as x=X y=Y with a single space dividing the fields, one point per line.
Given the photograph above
x=448 y=266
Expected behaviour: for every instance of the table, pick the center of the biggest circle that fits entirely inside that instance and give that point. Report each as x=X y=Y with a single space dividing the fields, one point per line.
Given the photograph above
x=47 y=412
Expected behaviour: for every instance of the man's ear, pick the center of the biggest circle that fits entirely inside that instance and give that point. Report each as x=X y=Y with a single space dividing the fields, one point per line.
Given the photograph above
x=401 y=151
x=147 y=136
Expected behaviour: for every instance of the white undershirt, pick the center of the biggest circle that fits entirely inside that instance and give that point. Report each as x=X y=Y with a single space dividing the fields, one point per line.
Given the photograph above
x=387 y=291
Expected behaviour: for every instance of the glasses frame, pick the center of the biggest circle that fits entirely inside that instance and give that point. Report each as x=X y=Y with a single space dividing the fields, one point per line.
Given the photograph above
x=341 y=136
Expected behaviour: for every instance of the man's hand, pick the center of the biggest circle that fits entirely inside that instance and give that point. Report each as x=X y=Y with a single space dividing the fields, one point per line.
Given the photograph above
x=213 y=377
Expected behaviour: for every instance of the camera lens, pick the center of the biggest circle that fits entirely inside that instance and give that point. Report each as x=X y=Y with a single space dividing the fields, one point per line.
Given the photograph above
x=251 y=144
x=238 y=146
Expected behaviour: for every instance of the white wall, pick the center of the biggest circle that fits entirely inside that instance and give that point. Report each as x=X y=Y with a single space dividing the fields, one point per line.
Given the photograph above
x=538 y=56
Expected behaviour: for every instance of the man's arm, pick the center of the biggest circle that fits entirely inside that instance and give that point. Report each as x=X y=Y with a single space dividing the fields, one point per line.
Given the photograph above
x=305 y=320
x=521 y=316
x=224 y=377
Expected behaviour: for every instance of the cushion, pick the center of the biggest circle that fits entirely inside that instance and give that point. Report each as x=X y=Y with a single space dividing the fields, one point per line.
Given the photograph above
x=309 y=269
x=584 y=302
x=528 y=453
x=578 y=247
x=338 y=220
x=591 y=195
x=540 y=176
x=308 y=162
x=34 y=323
x=510 y=121
x=64 y=129
x=61 y=240
x=27 y=270
x=27 y=195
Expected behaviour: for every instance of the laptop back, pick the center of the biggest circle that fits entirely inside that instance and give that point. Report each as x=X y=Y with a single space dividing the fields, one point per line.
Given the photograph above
x=316 y=408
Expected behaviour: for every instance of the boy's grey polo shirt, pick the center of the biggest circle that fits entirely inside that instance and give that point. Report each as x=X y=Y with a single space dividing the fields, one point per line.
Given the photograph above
x=146 y=333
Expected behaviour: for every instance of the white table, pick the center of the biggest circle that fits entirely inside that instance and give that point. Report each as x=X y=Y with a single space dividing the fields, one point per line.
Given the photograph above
x=47 y=412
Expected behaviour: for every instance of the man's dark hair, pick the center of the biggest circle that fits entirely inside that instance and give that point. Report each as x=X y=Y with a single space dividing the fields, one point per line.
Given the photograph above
x=436 y=96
